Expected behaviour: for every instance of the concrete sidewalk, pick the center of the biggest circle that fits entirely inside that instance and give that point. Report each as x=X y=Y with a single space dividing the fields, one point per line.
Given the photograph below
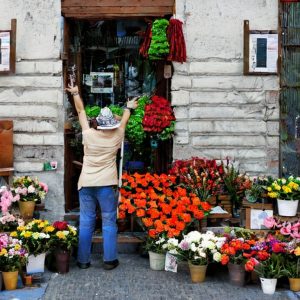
x=134 y=280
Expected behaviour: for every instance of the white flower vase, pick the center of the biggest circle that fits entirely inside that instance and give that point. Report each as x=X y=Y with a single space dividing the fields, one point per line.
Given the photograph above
x=268 y=285
x=36 y=264
x=287 y=208
x=157 y=261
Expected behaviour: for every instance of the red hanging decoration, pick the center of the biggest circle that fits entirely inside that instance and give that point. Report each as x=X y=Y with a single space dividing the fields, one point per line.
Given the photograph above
x=176 y=41
x=147 y=40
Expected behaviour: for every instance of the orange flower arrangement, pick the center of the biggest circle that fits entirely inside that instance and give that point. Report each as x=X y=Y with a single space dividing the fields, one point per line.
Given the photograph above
x=162 y=206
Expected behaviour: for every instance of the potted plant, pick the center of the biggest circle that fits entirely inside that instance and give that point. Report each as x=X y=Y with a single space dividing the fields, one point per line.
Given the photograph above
x=35 y=237
x=235 y=185
x=258 y=189
x=29 y=191
x=292 y=265
x=269 y=271
x=287 y=193
x=237 y=254
x=9 y=222
x=157 y=252
x=7 y=199
x=12 y=257
x=63 y=239
x=199 y=249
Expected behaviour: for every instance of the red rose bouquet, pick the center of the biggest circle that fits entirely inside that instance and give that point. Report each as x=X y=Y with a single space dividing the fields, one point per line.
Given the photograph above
x=158 y=115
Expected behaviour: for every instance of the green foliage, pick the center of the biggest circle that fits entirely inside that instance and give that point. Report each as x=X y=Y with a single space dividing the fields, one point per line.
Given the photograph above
x=116 y=110
x=168 y=132
x=273 y=267
x=134 y=130
x=92 y=111
x=159 y=46
x=292 y=267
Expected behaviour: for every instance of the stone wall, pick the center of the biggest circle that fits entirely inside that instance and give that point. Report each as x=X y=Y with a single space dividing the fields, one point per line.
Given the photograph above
x=219 y=111
x=33 y=97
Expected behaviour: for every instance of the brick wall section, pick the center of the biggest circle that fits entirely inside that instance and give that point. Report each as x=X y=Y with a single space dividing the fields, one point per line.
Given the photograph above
x=33 y=97
x=220 y=112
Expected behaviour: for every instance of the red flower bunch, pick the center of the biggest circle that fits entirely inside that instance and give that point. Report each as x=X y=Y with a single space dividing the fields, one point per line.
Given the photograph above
x=200 y=176
x=237 y=251
x=251 y=252
x=60 y=225
x=158 y=115
x=161 y=205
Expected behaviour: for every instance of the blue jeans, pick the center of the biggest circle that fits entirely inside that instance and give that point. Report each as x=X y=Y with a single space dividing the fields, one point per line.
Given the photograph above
x=105 y=196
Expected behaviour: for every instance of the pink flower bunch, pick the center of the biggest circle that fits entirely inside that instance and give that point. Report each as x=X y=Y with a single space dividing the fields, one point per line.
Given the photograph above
x=29 y=189
x=7 y=198
x=9 y=222
x=286 y=228
x=12 y=254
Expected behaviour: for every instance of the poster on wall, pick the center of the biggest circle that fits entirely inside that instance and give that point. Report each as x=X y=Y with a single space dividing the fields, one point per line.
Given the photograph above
x=263 y=53
x=102 y=82
x=5 y=42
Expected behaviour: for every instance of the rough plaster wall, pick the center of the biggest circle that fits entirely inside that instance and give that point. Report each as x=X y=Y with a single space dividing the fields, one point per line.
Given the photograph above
x=219 y=111
x=33 y=97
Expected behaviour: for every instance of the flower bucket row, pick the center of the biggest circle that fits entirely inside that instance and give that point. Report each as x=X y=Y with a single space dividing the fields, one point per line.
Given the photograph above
x=269 y=258
x=26 y=248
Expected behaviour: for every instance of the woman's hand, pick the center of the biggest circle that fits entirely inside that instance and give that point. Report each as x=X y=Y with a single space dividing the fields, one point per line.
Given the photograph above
x=72 y=90
x=132 y=104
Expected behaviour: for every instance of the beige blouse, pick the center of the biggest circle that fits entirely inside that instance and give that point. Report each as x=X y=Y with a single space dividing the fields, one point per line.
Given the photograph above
x=99 y=160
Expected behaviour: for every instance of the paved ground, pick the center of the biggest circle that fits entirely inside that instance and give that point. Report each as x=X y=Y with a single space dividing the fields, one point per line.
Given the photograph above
x=134 y=280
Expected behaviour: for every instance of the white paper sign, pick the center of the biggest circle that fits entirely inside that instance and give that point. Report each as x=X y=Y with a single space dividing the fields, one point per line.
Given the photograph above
x=171 y=263
x=4 y=51
x=257 y=217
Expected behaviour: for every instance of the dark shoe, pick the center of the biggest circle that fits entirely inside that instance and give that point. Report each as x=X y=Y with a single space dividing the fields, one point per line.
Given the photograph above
x=109 y=265
x=83 y=265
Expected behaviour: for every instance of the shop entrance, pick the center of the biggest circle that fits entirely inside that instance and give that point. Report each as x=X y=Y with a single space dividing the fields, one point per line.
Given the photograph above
x=109 y=70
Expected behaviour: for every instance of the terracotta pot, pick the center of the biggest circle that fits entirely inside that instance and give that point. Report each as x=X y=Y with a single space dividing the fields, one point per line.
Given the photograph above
x=157 y=261
x=198 y=272
x=26 y=209
x=237 y=274
x=294 y=284
x=10 y=280
x=62 y=261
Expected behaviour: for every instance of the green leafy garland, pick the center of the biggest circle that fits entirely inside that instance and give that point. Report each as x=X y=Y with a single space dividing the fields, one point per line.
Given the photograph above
x=159 y=46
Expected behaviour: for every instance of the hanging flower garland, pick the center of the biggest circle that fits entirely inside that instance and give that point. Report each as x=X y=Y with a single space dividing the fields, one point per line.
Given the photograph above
x=159 y=46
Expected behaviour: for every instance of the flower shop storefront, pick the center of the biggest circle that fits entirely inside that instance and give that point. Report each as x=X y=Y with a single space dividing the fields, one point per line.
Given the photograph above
x=111 y=44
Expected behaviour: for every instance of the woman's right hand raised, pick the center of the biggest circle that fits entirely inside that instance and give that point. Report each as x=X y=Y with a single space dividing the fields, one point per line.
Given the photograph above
x=72 y=89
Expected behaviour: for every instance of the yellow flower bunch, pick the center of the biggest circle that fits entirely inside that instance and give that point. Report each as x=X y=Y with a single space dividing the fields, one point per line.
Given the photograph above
x=282 y=188
x=35 y=236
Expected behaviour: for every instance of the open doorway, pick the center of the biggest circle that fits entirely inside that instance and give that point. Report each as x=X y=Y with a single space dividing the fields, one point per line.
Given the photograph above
x=109 y=70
